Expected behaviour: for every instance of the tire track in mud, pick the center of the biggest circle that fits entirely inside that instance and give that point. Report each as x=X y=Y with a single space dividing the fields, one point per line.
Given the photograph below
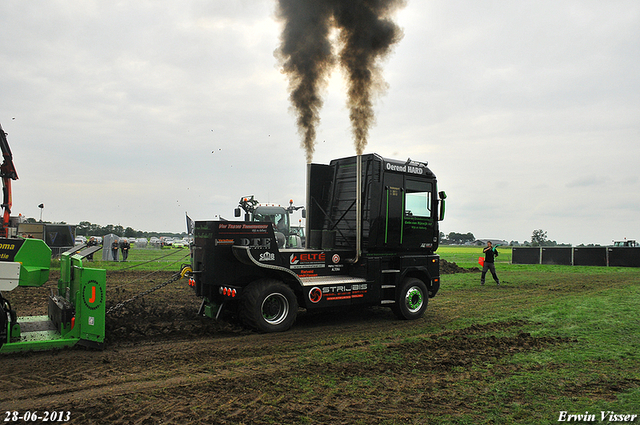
x=176 y=379
x=85 y=375
x=163 y=362
x=80 y=371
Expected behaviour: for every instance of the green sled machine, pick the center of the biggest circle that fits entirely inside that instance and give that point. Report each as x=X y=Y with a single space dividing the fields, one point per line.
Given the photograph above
x=76 y=309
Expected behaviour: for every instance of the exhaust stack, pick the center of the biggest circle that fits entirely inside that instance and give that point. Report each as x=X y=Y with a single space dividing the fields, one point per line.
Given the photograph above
x=308 y=204
x=358 y=207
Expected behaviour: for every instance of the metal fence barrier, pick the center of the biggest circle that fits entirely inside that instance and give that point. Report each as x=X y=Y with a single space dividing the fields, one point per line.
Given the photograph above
x=562 y=256
x=578 y=256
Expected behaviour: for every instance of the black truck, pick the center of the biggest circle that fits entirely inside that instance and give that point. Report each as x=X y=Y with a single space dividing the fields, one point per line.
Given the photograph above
x=372 y=233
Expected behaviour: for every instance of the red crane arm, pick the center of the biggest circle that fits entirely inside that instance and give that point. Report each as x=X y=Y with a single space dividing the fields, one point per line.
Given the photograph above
x=7 y=173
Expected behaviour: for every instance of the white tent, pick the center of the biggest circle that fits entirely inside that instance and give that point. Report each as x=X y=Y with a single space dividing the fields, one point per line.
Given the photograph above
x=107 y=253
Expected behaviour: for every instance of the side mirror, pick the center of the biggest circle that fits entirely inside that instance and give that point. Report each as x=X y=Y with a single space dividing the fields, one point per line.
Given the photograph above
x=442 y=197
x=236 y=212
x=304 y=213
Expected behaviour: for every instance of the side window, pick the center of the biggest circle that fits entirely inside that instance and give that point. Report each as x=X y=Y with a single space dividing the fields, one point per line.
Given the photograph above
x=282 y=222
x=418 y=199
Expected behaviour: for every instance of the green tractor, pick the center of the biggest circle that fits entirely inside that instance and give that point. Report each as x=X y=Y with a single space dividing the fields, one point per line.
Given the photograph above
x=286 y=235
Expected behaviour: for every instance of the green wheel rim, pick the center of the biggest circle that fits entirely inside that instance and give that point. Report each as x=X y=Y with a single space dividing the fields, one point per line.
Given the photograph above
x=414 y=299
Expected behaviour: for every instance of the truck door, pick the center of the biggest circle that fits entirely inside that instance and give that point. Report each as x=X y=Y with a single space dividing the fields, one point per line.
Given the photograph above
x=393 y=207
x=419 y=214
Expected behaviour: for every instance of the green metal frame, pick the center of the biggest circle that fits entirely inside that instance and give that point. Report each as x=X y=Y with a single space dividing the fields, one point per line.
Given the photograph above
x=81 y=288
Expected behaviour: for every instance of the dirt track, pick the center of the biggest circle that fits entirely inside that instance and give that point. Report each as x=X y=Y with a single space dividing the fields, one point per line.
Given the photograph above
x=162 y=364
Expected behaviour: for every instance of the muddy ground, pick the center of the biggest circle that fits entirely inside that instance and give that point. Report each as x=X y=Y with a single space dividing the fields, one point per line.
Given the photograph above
x=162 y=364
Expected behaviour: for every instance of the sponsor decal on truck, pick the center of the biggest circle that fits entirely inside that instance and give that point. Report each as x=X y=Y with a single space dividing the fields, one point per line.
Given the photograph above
x=308 y=260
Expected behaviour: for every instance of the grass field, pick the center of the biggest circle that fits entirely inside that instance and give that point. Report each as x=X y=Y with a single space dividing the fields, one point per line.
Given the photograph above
x=550 y=339
x=467 y=256
x=597 y=308
x=150 y=259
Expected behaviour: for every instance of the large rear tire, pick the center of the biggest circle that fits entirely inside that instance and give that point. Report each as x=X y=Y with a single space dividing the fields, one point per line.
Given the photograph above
x=269 y=305
x=411 y=299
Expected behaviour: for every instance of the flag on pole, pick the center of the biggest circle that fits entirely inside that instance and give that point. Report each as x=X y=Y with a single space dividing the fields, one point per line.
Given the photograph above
x=190 y=225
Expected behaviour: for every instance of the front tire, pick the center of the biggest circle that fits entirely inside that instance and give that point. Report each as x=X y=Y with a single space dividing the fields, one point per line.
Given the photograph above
x=411 y=300
x=269 y=306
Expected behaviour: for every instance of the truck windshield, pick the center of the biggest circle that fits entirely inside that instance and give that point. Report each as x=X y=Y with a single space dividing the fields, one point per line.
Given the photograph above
x=279 y=221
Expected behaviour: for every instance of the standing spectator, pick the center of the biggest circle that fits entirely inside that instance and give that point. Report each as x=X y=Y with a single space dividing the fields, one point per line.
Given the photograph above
x=124 y=247
x=489 y=255
x=92 y=242
x=114 y=249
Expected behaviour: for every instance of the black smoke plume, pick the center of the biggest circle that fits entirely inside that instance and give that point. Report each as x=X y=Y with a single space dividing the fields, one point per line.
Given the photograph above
x=366 y=34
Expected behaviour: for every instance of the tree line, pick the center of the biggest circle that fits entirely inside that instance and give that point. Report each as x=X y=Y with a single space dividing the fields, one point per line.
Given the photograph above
x=538 y=238
x=85 y=228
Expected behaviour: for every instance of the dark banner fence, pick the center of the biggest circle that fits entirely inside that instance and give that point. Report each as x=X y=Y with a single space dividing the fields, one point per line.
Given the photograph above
x=578 y=256
x=526 y=255
x=562 y=256
x=590 y=256
x=625 y=257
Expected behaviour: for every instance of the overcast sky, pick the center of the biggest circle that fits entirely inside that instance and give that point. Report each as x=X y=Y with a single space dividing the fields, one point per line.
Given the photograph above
x=132 y=113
